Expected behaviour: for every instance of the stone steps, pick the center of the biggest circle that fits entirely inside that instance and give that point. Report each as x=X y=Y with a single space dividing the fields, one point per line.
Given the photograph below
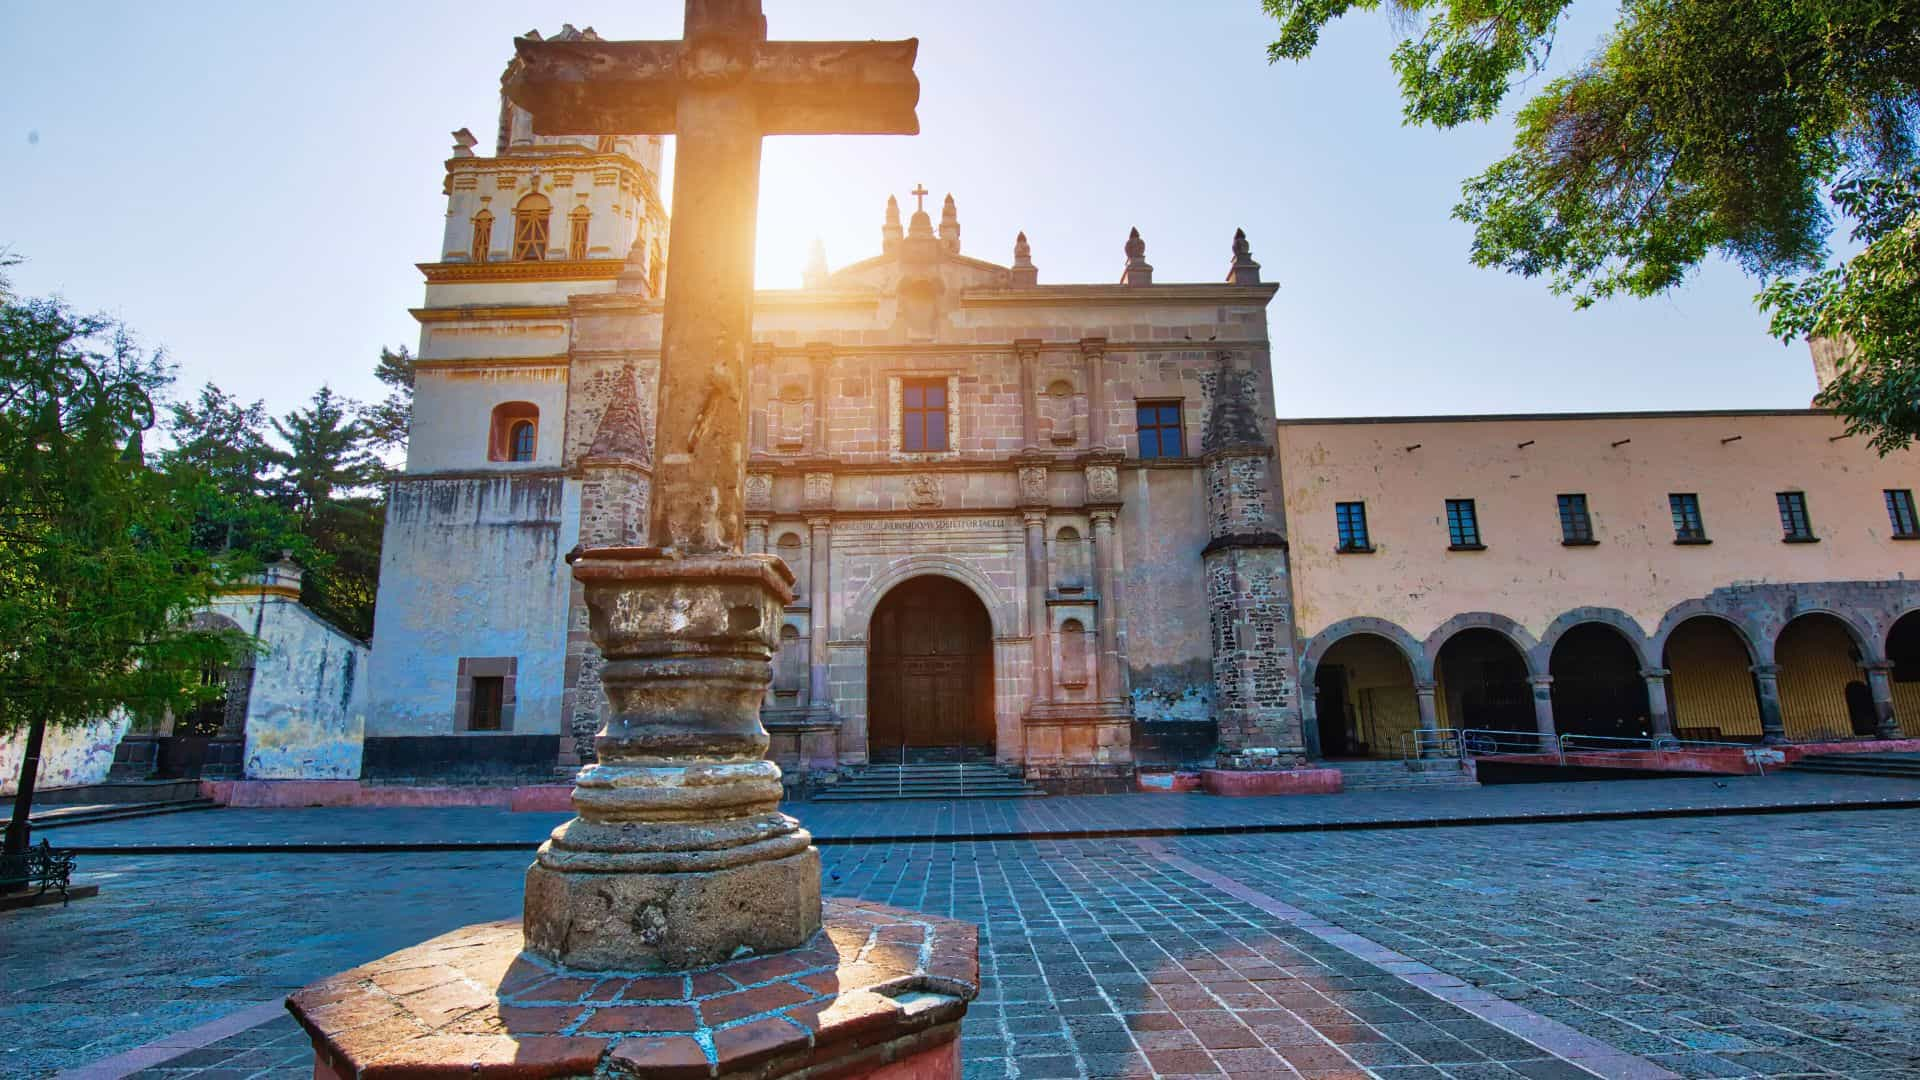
x=930 y=780
x=1403 y=775
x=92 y=815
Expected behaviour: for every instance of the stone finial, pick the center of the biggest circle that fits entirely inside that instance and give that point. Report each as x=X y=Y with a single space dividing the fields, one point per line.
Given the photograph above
x=622 y=435
x=950 y=226
x=1244 y=270
x=816 y=274
x=1138 y=272
x=463 y=143
x=1024 y=274
x=890 y=232
x=1233 y=420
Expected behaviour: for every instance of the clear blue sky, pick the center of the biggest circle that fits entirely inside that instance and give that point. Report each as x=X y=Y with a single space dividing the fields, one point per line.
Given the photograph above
x=250 y=184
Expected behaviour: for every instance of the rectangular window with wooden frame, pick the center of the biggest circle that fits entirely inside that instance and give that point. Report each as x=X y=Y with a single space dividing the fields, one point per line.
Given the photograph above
x=1576 y=525
x=923 y=415
x=1160 y=432
x=1350 y=522
x=577 y=237
x=1900 y=514
x=1688 y=527
x=489 y=703
x=1795 y=528
x=482 y=236
x=483 y=694
x=1463 y=526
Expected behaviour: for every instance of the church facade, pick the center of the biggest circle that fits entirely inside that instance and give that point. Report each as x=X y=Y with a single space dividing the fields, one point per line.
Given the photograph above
x=1059 y=524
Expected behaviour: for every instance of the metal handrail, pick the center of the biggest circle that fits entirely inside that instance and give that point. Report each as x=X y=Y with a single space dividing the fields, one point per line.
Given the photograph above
x=1659 y=742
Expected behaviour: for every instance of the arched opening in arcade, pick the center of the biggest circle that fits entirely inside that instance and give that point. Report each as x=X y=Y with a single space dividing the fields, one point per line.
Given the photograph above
x=1597 y=685
x=209 y=739
x=1710 y=689
x=1483 y=684
x=930 y=673
x=1823 y=691
x=1903 y=649
x=1364 y=700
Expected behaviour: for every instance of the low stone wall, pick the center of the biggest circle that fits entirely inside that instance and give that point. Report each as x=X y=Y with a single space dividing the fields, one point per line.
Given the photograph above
x=1272 y=781
x=540 y=798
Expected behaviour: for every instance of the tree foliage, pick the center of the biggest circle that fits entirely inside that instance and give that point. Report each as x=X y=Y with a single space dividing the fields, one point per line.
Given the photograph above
x=386 y=422
x=1698 y=127
x=98 y=573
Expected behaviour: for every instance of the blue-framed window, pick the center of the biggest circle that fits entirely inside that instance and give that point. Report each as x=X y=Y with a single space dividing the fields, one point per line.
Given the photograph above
x=1160 y=434
x=1795 y=528
x=1576 y=525
x=1463 y=525
x=1350 y=519
x=1688 y=528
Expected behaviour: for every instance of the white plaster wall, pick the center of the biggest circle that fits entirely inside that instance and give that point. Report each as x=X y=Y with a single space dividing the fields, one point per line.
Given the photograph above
x=472 y=567
x=69 y=757
x=307 y=707
x=453 y=413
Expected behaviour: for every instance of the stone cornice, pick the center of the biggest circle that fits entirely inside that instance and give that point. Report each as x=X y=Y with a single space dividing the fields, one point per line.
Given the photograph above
x=468 y=362
x=1097 y=295
x=519 y=270
x=488 y=312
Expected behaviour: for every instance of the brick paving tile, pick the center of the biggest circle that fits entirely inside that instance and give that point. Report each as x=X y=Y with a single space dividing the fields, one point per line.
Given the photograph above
x=1757 y=946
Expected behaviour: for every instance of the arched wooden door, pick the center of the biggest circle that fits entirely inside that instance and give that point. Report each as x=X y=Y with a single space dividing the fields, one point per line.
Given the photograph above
x=929 y=671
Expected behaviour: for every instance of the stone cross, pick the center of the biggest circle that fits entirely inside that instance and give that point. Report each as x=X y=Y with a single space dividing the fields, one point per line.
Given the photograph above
x=680 y=855
x=919 y=194
x=717 y=92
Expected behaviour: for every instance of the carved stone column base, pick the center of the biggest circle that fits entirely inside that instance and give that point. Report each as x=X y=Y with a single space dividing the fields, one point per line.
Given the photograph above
x=670 y=922
x=680 y=856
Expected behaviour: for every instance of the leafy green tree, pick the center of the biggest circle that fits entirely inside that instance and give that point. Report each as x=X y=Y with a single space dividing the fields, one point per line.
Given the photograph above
x=328 y=472
x=222 y=458
x=1698 y=128
x=386 y=422
x=98 y=574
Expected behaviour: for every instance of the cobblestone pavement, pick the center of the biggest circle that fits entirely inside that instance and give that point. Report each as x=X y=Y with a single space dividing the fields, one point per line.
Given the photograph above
x=989 y=818
x=1781 y=945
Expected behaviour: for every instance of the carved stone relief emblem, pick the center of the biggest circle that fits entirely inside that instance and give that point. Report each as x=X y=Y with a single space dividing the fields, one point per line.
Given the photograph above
x=923 y=490
x=1103 y=482
x=1033 y=484
x=759 y=491
x=819 y=490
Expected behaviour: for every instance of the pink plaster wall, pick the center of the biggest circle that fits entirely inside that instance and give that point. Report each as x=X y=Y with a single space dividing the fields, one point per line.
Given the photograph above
x=1525 y=573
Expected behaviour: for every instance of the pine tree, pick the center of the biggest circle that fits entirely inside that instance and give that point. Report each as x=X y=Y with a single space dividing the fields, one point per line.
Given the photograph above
x=328 y=473
x=388 y=421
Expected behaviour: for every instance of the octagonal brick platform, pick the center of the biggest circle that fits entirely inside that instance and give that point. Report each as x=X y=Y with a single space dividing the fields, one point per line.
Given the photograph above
x=879 y=992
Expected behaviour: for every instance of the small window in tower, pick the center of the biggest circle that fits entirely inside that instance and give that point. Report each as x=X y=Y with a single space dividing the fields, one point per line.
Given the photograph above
x=530 y=218
x=577 y=238
x=514 y=432
x=1160 y=434
x=520 y=441
x=482 y=235
x=923 y=414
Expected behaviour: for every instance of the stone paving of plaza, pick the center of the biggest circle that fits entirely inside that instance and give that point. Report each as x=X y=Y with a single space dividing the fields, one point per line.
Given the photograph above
x=1774 y=945
x=989 y=818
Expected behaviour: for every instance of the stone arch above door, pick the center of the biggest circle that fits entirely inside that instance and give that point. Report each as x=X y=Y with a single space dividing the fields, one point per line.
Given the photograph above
x=1002 y=611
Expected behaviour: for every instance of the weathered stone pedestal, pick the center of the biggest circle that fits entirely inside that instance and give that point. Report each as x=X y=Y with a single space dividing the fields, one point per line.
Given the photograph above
x=876 y=992
x=680 y=855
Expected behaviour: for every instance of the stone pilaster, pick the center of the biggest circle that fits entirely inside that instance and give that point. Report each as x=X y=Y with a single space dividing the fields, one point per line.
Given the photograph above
x=1039 y=626
x=1093 y=354
x=820 y=365
x=1028 y=351
x=1423 y=699
x=1657 y=714
x=1112 y=672
x=819 y=604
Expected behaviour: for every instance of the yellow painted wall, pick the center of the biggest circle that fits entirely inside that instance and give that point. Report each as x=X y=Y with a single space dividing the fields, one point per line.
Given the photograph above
x=1525 y=573
x=1814 y=672
x=1379 y=691
x=1906 y=707
x=1711 y=685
